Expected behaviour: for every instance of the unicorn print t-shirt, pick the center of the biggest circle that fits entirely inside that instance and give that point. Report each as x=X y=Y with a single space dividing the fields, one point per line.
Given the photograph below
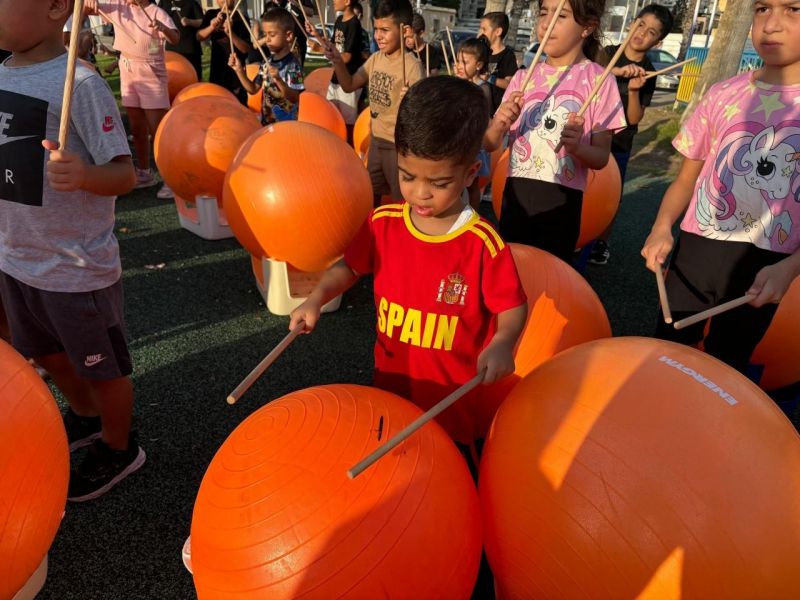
x=748 y=134
x=554 y=93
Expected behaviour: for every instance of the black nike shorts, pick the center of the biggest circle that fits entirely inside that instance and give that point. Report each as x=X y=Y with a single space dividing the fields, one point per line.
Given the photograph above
x=88 y=326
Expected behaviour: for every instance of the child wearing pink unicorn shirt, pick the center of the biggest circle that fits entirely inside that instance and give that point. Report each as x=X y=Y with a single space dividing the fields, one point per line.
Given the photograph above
x=543 y=195
x=739 y=193
x=143 y=72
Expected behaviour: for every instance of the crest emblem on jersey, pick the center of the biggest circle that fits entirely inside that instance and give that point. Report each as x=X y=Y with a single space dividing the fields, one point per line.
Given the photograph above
x=452 y=289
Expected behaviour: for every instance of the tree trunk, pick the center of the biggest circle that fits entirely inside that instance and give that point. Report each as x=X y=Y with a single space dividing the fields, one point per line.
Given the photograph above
x=495 y=6
x=687 y=26
x=725 y=53
x=516 y=12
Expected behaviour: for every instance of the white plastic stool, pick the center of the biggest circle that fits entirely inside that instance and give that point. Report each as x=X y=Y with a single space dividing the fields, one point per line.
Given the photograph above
x=285 y=288
x=205 y=219
x=35 y=584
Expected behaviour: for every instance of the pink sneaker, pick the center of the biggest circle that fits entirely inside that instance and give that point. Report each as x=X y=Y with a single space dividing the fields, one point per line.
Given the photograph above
x=144 y=179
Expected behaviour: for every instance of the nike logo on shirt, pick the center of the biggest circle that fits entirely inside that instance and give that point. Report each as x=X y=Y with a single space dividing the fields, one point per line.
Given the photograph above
x=4 y=139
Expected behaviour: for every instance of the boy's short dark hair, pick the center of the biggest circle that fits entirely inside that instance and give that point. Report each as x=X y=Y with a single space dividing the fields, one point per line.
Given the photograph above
x=279 y=16
x=356 y=7
x=418 y=23
x=663 y=14
x=398 y=10
x=442 y=118
x=497 y=19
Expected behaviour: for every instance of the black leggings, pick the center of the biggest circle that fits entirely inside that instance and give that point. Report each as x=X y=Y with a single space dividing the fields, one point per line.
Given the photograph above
x=704 y=273
x=542 y=214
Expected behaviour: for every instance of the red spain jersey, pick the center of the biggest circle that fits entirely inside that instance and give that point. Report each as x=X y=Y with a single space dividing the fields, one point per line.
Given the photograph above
x=437 y=300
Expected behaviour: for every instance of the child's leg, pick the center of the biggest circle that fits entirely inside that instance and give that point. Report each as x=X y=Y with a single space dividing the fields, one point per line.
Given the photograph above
x=75 y=390
x=388 y=157
x=139 y=129
x=153 y=117
x=379 y=184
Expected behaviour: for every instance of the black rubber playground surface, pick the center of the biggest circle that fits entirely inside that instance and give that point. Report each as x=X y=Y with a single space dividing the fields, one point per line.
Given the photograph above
x=197 y=326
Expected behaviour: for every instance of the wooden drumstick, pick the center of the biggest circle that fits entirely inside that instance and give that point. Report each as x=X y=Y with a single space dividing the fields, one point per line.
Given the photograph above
x=712 y=312
x=542 y=44
x=446 y=59
x=662 y=295
x=412 y=427
x=69 y=80
x=254 y=39
x=117 y=26
x=265 y=364
x=650 y=74
x=601 y=80
x=403 y=53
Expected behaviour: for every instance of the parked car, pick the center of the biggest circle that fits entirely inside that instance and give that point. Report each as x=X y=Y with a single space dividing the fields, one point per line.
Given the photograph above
x=660 y=59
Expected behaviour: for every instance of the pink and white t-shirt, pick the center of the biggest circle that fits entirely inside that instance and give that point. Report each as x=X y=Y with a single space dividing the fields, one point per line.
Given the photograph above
x=748 y=134
x=138 y=40
x=554 y=93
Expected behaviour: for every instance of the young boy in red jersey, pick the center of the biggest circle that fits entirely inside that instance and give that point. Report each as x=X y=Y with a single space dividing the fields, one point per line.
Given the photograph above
x=448 y=296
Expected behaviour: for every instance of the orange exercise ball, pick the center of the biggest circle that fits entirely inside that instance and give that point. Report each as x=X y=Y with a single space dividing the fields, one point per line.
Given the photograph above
x=362 y=133
x=277 y=517
x=297 y=193
x=180 y=73
x=254 y=100
x=318 y=80
x=563 y=311
x=196 y=142
x=197 y=90
x=34 y=470
x=600 y=200
x=779 y=351
x=319 y=111
x=638 y=468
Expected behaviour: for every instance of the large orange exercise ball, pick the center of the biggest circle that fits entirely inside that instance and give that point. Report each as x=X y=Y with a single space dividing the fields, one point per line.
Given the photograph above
x=196 y=142
x=638 y=468
x=563 y=311
x=197 y=90
x=180 y=73
x=362 y=133
x=600 y=200
x=319 y=111
x=297 y=193
x=277 y=517
x=254 y=101
x=779 y=350
x=318 y=80
x=34 y=470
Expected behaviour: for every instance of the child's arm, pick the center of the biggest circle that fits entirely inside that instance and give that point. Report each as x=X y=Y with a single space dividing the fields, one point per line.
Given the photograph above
x=291 y=94
x=498 y=356
x=676 y=199
x=67 y=172
x=337 y=279
x=348 y=82
x=507 y=114
x=215 y=25
x=248 y=84
x=173 y=36
x=635 y=111
x=503 y=83
x=772 y=282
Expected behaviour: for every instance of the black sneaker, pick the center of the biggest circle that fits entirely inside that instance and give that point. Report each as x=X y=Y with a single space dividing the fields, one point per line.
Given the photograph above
x=600 y=253
x=102 y=469
x=81 y=431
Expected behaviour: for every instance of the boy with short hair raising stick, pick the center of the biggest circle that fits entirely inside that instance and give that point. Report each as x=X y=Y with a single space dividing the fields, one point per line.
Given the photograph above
x=502 y=61
x=60 y=271
x=348 y=39
x=384 y=72
x=282 y=76
x=447 y=293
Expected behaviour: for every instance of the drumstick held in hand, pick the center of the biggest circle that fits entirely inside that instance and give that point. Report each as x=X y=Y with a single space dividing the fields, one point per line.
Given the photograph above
x=650 y=74
x=253 y=37
x=446 y=59
x=712 y=312
x=542 y=44
x=452 y=47
x=69 y=80
x=265 y=364
x=412 y=427
x=601 y=80
x=662 y=295
x=117 y=26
